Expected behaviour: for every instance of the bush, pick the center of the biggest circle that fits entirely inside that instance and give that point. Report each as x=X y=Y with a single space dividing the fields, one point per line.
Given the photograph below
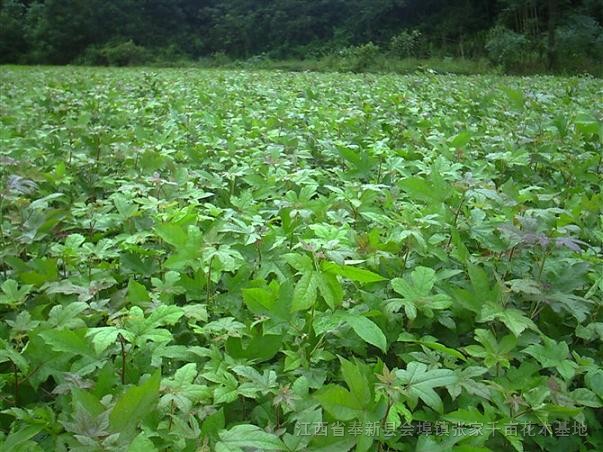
x=507 y=48
x=406 y=44
x=218 y=59
x=359 y=58
x=579 y=43
x=124 y=53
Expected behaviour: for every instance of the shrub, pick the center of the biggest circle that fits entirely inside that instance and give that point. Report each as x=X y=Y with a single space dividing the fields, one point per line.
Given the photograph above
x=124 y=53
x=218 y=59
x=506 y=47
x=406 y=44
x=359 y=58
x=579 y=42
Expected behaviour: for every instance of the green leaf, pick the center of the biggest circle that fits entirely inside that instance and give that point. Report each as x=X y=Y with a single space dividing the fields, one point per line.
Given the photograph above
x=513 y=319
x=527 y=286
x=15 y=440
x=164 y=315
x=338 y=402
x=461 y=140
x=330 y=289
x=419 y=383
x=258 y=300
x=260 y=347
x=356 y=380
x=181 y=391
x=8 y=353
x=417 y=294
x=304 y=294
x=586 y=397
x=480 y=282
x=142 y=443
x=368 y=331
x=173 y=234
x=247 y=436
x=467 y=416
x=68 y=341
x=423 y=279
x=12 y=293
x=67 y=316
x=516 y=97
x=594 y=380
x=421 y=189
x=135 y=403
x=553 y=354
x=213 y=424
x=352 y=273
x=137 y=293
x=299 y=262
x=103 y=337
x=404 y=337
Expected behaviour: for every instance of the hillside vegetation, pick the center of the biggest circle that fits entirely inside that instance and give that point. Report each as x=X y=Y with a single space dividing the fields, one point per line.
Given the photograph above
x=512 y=36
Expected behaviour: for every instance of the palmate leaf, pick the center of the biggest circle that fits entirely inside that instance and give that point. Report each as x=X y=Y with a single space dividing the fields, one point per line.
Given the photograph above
x=181 y=390
x=553 y=354
x=257 y=383
x=12 y=293
x=417 y=294
x=513 y=319
x=491 y=350
x=418 y=383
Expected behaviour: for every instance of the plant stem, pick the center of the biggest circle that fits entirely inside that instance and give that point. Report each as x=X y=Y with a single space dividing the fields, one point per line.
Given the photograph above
x=259 y=250
x=171 y=416
x=511 y=253
x=16 y=374
x=208 y=285
x=318 y=344
x=406 y=255
x=541 y=269
x=232 y=186
x=456 y=217
x=123 y=359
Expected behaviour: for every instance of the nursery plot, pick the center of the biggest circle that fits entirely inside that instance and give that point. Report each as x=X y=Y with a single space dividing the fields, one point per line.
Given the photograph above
x=214 y=260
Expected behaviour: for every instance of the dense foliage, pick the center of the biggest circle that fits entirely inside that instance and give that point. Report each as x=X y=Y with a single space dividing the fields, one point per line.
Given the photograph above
x=206 y=260
x=517 y=35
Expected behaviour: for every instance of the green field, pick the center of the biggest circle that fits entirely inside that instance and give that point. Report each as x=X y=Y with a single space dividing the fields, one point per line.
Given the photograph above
x=218 y=260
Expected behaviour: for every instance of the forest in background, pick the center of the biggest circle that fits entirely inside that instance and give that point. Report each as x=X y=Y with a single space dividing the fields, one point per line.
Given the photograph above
x=517 y=36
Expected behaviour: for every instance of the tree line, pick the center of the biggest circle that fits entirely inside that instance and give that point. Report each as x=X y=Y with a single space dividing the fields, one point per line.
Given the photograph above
x=511 y=33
